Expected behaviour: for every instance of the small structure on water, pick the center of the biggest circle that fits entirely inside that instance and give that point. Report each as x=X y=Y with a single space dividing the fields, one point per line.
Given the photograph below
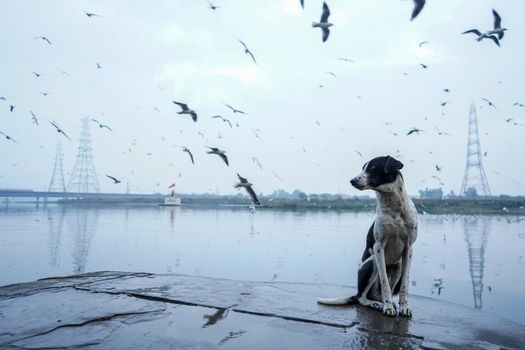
x=172 y=200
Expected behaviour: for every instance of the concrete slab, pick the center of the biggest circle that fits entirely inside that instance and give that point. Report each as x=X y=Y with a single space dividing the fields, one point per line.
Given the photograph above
x=120 y=310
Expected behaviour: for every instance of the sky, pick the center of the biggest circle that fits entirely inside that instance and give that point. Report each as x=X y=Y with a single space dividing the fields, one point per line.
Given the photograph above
x=308 y=129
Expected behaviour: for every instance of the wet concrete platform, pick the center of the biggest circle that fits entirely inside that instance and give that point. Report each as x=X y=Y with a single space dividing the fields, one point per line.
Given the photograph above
x=121 y=310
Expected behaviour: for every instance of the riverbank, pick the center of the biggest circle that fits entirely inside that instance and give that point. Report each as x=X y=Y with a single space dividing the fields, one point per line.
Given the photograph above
x=123 y=310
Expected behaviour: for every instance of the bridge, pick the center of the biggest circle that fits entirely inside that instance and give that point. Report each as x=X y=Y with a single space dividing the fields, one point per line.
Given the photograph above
x=81 y=197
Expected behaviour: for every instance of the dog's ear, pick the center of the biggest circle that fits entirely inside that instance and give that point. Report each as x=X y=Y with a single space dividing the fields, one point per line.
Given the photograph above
x=392 y=165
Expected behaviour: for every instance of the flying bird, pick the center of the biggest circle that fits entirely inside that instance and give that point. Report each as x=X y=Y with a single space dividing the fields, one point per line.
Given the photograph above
x=220 y=153
x=438 y=168
x=423 y=43
x=346 y=59
x=256 y=161
x=489 y=103
x=332 y=74
x=359 y=153
x=33 y=117
x=247 y=51
x=235 y=110
x=243 y=182
x=187 y=150
x=518 y=104
x=11 y=108
x=496 y=34
x=212 y=6
x=115 y=180
x=44 y=39
x=423 y=65
x=446 y=90
x=8 y=137
x=444 y=103
x=59 y=130
x=302 y=3
x=418 y=6
x=224 y=120
x=186 y=110
x=99 y=66
x=414 y=130
x=440 y=132
x=89 y=14
x=323 y=23
x=101 y=125
x=37 y=74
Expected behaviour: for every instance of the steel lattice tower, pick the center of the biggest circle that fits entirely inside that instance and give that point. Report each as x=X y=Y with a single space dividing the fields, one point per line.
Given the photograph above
x=84 y=177
x=474 y=176
x=57 y=183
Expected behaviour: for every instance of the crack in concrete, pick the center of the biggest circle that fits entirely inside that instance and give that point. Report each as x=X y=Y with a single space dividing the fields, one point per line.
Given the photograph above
x=81 y=324
x=391 y=333
x=255 y=313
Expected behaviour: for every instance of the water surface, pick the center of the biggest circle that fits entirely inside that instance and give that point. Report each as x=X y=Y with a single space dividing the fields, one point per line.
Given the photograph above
x=476 y=261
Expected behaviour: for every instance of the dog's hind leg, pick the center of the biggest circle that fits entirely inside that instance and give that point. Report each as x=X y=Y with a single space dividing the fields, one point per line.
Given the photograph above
x=367 y=277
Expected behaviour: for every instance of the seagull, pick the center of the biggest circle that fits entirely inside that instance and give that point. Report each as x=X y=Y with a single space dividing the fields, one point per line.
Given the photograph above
x=3 y=98
x=45 y=93
x=60 y=131
x=11 y=108
x=256 y=161
x=518 y=104
x=444 y=103
x=8 y=137
x=37 y=74
x=89 y=14
x=33 y=117
x=115 y=180
x=359 y=153
x=186 y=110
x=247 y=51
x=441 y=132
x=323 y=23
x=446 y=90
x=438 y=168
x=346 y=59
x=212 y=6
x=489 y=103
x=440 y=181
x=418 y=6
x=234 y=109
x=414 y=130
x=220 y=153
x=224 y=120
x=423 y=65
x=187 y=150
x=99 y=66
x=248 y=187
x=302 y=3
x=43 y=38
x=423 y=43
x=101 y=125
x=332 y=74
x=495 y=34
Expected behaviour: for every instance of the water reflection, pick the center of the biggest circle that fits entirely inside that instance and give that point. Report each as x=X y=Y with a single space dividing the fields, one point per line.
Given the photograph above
x=476 y=231
x=55 y=226
x=82 y=223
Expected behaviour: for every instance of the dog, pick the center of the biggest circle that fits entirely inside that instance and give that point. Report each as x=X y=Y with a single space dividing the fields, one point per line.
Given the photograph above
x=385 y=265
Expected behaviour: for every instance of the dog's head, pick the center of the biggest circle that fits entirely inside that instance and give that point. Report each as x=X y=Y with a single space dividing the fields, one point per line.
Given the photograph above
x=377 y=173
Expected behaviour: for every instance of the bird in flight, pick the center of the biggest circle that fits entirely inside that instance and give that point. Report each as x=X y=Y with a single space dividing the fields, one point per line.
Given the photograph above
x=418 y=6
x=444 y=103
x=346 y=59
x=187 y=150
x=186 y=110
x=518 y=104
x=332 y=74
x=424 y=66
x=90 y=14
x=220 y=153
x=423 y=43
x=446 y=90
x=33 y=117
x=489 y=103
x=440 y=132
x=8 y=137
x=99 y=66
x=414 y=130
x=235 y=110
x=323 y=23
x=115 y=180
x=37 y=74
x=11 y=108
x=101 y=125
x=243 y=182
x=438 y=168
x=247 y=51
x=59 y=130
x=224 y=120
x=212 y=6
x=302 y=3
x=256 y=161
x=496 y=34
x=44 y=39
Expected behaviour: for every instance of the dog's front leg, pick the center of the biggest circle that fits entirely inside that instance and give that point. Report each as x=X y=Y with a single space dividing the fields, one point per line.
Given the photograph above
x=404 y=309
x=386 y=292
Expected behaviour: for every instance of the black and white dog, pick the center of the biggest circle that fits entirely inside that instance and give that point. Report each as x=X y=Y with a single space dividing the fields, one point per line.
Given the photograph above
x=385 y=265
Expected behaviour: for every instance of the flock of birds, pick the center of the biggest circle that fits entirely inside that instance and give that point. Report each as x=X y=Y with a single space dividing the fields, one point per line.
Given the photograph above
x=495 y=34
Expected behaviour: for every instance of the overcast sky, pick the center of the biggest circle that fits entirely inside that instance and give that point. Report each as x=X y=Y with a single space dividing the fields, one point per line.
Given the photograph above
x=153 y=52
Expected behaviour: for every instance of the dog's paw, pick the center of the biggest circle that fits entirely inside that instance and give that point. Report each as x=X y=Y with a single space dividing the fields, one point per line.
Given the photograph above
x=405 y=311
x=389 y=310
x=376 y=305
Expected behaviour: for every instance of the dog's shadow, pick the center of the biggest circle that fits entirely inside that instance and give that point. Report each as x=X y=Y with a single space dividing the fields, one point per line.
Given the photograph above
x=375 y=321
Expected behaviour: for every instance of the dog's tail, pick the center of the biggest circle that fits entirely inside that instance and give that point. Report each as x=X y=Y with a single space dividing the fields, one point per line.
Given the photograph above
x=338 y=301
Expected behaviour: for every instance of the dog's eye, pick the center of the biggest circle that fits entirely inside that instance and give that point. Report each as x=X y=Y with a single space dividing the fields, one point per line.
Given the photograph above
x=372 y=167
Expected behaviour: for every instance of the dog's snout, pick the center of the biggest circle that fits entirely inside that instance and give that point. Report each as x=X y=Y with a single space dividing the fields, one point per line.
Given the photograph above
x=353 y=182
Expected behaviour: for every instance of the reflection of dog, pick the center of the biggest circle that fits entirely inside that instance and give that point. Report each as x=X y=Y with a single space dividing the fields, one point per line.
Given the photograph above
x=388 y=251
